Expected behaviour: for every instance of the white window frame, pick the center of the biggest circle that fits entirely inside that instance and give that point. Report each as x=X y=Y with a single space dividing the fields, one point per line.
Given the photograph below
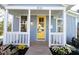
x=57 y=24
x=20 y=22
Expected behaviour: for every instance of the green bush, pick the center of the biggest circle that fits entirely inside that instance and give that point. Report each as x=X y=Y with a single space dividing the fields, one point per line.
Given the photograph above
x=61 y=50
x=1 y=27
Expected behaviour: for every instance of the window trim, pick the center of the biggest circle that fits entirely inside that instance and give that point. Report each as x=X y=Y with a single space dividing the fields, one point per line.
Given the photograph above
x=57 y=24
x=20 y=22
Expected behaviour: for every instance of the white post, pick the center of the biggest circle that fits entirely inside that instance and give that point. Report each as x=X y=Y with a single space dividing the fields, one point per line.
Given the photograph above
x=64 y=28
x=5 y=26
x=76 y=25
x=49 y=28
x=28 y=25
x=12 y=23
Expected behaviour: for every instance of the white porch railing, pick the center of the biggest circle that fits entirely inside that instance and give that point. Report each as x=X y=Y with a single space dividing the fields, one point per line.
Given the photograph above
x=16 y=38
x=57 y=38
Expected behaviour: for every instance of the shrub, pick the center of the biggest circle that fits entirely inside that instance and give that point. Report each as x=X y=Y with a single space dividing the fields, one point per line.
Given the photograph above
x=61 y=50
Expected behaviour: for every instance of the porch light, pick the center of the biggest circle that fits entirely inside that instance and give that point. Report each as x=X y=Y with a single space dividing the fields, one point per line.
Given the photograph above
x=32 y=23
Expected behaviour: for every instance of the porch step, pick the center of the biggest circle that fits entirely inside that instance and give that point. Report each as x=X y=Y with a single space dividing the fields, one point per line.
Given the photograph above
x=39 y=48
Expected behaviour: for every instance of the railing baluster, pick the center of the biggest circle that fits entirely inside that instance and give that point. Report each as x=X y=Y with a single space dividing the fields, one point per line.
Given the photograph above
x=56 y=38
x=60 y=39
x=16 y=38
x=23 y=39
x=10 y=37
x=53 y=38
x=6 y=38
x=13 y=38
x=20 y=39
x=26 y=38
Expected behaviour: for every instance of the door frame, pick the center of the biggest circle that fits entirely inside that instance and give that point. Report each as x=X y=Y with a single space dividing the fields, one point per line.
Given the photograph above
x=36 y=28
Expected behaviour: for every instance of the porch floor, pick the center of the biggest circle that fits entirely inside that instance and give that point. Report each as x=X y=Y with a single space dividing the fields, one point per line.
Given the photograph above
x=39 y=48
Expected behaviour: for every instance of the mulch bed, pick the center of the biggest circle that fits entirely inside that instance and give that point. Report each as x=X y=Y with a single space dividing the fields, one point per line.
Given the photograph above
x=21 y=52
x=73 y=52
x=76 y=52
x=5 y=50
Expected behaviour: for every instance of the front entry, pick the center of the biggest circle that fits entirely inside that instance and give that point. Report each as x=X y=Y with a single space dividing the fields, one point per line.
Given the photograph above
x=41 y=28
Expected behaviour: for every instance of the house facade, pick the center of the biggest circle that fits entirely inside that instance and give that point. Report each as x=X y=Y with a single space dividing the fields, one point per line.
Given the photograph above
x=39 y=22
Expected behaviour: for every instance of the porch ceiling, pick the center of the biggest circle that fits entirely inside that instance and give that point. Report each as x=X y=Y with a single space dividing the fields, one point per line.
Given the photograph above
x=35 y=12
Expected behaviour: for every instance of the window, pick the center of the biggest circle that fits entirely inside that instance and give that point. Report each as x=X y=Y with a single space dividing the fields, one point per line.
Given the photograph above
x=23 y=23
x=59 y=25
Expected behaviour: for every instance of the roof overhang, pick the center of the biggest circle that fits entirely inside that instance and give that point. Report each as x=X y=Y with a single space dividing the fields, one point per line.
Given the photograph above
x=68 y=7
x=73 y=13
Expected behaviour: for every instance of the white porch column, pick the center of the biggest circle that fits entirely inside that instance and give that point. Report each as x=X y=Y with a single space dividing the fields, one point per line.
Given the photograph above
x=5 y=26
x=76 y=25
x=49 y=28
x=64 y=28
x=28 y=27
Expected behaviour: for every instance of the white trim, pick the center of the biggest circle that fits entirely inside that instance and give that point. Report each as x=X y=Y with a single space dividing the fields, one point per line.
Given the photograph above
x=76 y=26
x=57 y=23
x=49 y=27
x=64 y=18
x=35 y=7
x=20 y=22
x=12 y=23
x=28 y=26
x=71 y=15
x=5 y=26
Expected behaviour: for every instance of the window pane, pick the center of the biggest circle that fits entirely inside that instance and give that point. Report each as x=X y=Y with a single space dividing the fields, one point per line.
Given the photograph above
x=60 y=25
x=23 y=23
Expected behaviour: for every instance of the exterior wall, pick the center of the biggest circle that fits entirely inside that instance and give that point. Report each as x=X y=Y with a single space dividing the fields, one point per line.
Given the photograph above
x=71 y=27
x=77 y=23
x=53 y=23
x=34 y=27
x=16 y=24
x=77 y=27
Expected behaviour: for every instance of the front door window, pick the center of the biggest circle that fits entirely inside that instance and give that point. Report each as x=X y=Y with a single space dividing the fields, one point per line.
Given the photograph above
x=41 y=27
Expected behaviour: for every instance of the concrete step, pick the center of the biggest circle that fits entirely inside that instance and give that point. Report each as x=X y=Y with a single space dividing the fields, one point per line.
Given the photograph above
x=38 y=48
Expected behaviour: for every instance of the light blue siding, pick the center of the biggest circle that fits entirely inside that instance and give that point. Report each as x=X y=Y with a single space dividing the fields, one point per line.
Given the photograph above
x=77 y=22
x=53 y=23
x=33 y=28
x=33 y=31
x=15 y=24
x=71 y=27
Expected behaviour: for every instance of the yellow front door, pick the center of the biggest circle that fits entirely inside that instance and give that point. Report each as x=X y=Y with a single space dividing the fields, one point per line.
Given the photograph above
x=41 y=27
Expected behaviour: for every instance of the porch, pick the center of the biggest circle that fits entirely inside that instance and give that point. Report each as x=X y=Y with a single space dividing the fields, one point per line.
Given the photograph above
x=23 y=30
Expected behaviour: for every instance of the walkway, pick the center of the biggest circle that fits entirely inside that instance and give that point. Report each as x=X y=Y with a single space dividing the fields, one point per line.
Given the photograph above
x=39 y=48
